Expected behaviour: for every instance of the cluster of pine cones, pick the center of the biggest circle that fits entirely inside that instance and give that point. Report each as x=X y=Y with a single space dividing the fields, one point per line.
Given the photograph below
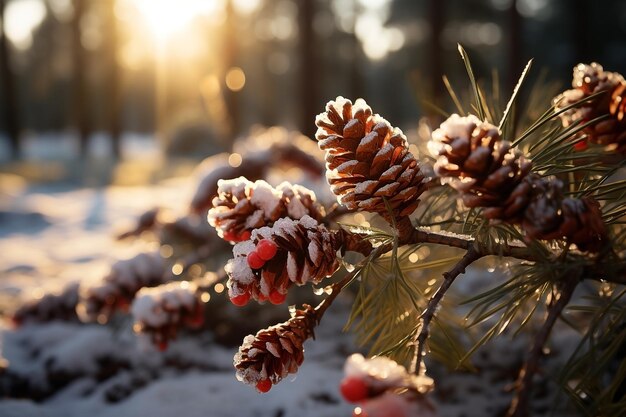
x=283 y=240
x=489 y=173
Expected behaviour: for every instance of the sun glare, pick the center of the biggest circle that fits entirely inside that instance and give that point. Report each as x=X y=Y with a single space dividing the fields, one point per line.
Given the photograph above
x=165 y=18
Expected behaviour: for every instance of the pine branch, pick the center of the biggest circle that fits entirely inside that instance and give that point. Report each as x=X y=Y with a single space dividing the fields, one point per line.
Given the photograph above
x=408 y=234
x=426 y=317
x=519 y=405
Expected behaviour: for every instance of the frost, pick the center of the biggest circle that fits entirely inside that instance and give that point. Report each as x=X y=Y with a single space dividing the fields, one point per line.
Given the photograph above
x=240 y=271
x=308 y=222
x=265 y=197
x=243 y=248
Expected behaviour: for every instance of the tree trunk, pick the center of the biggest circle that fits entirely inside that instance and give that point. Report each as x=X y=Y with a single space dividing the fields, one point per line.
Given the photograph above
x=113 y=82
x=436 y=13
x=81 y=105
x=10 y=102
x=308 y=68
x=230 y=60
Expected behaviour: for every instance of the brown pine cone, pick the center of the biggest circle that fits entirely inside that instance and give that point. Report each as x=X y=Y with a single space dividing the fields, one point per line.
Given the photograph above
x=473 y=158
x=242 y=206
x=587 y=80
x=273 y=353
x=289 y=252
x=119 y=287
x=368 y=160
x=161 y=311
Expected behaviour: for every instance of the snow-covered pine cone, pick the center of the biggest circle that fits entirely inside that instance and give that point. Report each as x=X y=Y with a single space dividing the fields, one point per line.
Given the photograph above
x=265 y=359
x=242 y=206
x=290 y=252
x=367 y=160
x=161 y=311
x=474 y=159
x=382 y=387
x=120 y=286
x=588 y=80
x=50 y=307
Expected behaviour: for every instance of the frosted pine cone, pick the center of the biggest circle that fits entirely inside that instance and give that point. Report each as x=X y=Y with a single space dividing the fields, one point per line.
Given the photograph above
x=368 y=160
x=473 y=158
x=50 y=307
x=376 y=383
x=242 y=206
x=265 y=359
x=591 y=79
x=120 y=286
x=370 y=377
x=163 y=310
x=290 y=252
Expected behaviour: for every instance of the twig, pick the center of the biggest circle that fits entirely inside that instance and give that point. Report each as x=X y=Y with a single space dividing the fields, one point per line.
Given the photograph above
x=519 y=405
x=426 y=317
x=337 y=287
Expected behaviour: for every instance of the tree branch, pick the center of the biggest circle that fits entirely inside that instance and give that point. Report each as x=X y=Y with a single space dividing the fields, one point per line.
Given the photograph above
x=426 y=317
x=513 y=249
x=519 y=405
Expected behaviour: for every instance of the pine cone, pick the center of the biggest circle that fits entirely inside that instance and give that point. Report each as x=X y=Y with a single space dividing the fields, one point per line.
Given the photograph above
x=242 y=206
x=587 y=80
x=299 y=251
x=473 y=158
x=161 y=311
x=120 y=286
x=368 y=160
x=273 y=353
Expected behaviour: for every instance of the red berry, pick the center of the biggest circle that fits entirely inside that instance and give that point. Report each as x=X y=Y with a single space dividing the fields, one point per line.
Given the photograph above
x=353 y=389
x=266 y=249
x=230 y=236
x=264 y=385
x=245 y=235
x=581 y=146
x=255 y=261
x=261 y=297
x=240 y=300
x=277 y=297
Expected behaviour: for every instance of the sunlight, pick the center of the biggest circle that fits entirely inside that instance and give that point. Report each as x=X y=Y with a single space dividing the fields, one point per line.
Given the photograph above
x=21 y=18
x=165 y=18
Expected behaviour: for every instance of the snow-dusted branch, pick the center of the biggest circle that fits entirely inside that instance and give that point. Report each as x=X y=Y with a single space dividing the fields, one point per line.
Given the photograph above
x=426 y=317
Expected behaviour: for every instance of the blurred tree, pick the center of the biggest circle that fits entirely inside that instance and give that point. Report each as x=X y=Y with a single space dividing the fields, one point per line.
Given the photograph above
x=81 y=110
x=10 y=102
x=113 y=110
x=308 y=67
x=230 y=53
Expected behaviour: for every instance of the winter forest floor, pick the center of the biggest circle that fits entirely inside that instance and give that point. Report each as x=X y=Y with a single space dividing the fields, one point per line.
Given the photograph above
x=57 y=225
